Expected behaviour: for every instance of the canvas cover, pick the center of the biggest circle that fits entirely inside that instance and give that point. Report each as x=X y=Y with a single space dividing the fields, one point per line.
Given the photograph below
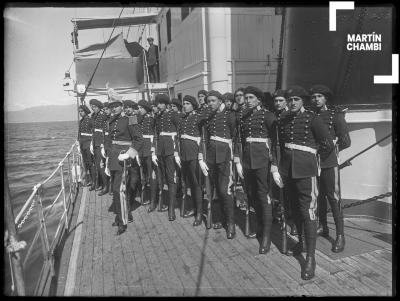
x=121 y=66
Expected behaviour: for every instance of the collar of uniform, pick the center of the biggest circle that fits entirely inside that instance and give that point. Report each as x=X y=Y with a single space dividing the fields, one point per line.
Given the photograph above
x=302 y=109
x=324 y=108
x=221 y=108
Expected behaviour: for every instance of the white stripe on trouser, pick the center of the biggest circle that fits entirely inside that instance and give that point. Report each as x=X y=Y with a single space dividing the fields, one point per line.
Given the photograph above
x=314 y=195
x=123 y=200
x=336 y=191
x=230 y=183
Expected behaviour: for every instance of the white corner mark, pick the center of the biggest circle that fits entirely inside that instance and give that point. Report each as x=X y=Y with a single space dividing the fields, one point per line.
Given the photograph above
x=390 y=79
x=333 y=7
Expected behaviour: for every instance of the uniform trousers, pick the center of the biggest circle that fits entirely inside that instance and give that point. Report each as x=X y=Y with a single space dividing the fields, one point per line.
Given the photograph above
x=257 y=188
x=149 y=172
x=120 y=204
x=87 y=156
x=168 y=169
x=220 y=177
x=99 y=171
x=190 y=174
x=329 y=189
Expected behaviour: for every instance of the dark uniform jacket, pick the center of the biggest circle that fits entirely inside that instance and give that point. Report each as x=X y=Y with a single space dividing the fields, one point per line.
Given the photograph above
x=303 y=128
x=167 y=121
x=221 y=123
x=107 y=137
x=191 y=125
x=85 y=127
x=99 y=120
x=257 y=123
x=338 y=129
x=123 y=128
x=147 y=123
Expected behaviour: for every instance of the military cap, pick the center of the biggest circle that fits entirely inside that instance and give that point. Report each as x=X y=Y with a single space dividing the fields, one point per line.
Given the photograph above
x=96 y=103
x=145 y=104
x=150 y=39
x=106 y=104
x=238 y=89
x=176 y=102
x=279 y=93
x=255 y=91
x=322 y=90
x=130 y=103
x=85 y=109
x=229 y=96
x=204 y=92
x=296 y=91
x=115 y=103
x=162 y=98
x=192 y=100
x=215 y=93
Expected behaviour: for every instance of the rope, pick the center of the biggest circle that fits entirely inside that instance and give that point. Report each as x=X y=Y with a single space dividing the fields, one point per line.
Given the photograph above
x=374 y=198
x=129 y=28
x=98 y=62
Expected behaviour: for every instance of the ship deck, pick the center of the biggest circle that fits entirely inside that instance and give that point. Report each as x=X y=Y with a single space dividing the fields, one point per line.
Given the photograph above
x=155 y=257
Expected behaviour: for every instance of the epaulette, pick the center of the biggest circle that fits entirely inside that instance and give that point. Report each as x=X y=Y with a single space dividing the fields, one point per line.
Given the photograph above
x=132 y=120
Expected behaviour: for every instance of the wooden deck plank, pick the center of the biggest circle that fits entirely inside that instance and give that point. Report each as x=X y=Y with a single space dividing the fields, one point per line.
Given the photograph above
x=97 y=280
x=378 y=261
x=108 y=265
x=85 y=284
x=173 y=283
x=222 y=265
x=120 y=274
x=374 y=265
x=205 y=271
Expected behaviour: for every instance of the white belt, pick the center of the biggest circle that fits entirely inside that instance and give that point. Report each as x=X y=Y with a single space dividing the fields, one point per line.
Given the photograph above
x=193 y=138
x=172 y=134
x=151 y=137
x=301 y=147
x=98 y=130
x=261 y=140
x=121 y=142
x=85 y=134
x=105 y=133
x=220 y=139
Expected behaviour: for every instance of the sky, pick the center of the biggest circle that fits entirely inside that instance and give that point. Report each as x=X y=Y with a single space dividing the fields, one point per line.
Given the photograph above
x=38 y=51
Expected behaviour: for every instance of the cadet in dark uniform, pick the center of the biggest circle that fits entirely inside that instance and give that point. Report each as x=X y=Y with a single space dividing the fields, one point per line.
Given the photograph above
x=280 y=106
x=300 y=133
x=147 y=152
x=229 y=100
x=176 y=106
x=257 y=136
x=221 y=136
x=167 y=124
x=190 y=137
x=329 y=178
x=201 y=96
x=99 y=118
x=85 y=137
x=126 y=137
x=105 y=150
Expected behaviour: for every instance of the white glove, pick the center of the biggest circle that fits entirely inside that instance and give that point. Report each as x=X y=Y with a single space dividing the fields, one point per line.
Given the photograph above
x=103 y=152
x=79 y=149
x=132 y=153
x=91 y=148
x=239 y=169
x=154 y=159
x=178 y=161
x=107 y=170
x=277 y=179
x=204 y=167
x=101 y=164
x=122 y=157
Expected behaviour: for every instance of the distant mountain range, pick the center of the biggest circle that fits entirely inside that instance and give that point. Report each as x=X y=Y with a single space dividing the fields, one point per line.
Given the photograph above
x=46 y=113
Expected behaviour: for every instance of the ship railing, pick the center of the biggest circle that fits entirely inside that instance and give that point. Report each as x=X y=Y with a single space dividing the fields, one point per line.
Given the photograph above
x=67 y=195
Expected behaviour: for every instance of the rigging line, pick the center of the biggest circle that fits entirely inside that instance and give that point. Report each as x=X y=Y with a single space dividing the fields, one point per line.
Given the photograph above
x=129 y=28
x=98 y=62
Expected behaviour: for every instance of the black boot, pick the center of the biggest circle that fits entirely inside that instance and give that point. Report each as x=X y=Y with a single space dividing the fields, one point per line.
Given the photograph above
x=171 y=204
x=310 y=230
x=293 y=229
x=106 y=184
x=152 y=206
x=188 y=214
x=266 y=216
x=121 y=229
x=300 y=247
x=93 y=177
x=198 y=202
x=161 y=206
x=323 y=229
x=230 y=232
x=338 y=246
x=198 y=220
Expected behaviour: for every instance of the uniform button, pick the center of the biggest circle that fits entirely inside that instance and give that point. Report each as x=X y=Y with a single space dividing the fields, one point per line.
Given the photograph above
x=305 y=132
x=304 y=142
x=291 y=133
x=330 y=127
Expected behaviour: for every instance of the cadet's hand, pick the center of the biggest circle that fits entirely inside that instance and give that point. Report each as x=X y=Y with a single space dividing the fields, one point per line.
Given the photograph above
x=154 y=159
x=101 y=164
x=239 y=169
x=103 y=152
x=277 y=179
x=107 y=171
x=178 y=161
x=132 y=153
x=204 y=167
x=122 y=157
x=91 y=148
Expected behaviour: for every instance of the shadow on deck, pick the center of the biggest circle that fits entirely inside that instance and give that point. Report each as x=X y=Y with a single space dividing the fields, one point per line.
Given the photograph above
x=155 y=257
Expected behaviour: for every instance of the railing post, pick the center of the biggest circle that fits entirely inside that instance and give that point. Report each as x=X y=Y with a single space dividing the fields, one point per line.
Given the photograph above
x=43 y=234
x=63 y=191
x=16 y=271
x=69 y=175
x=76 y=171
